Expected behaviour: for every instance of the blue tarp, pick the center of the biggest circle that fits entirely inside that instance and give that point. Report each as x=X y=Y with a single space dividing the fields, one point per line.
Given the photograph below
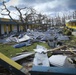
x=22 y=44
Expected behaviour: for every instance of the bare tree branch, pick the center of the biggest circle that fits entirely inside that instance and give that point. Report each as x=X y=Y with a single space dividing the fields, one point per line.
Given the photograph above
x=5 y=8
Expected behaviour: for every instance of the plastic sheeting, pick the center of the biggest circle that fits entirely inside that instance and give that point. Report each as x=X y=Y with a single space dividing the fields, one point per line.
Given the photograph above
x=9 y=39
x=41 y=58
x=62 y=37
x=24 y=38
x=60 y=61
x=40 y=49
x=28 y=43
x=48 y=37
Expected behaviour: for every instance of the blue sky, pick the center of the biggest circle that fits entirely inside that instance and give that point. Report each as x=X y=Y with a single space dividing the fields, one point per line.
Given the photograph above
x=49 y=7
x=3 y=0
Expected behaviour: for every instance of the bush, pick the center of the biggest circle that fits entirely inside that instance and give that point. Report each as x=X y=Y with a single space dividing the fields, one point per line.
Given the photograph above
x=67 y=32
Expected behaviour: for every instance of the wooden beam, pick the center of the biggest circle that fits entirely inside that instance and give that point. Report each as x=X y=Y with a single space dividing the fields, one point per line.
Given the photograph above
x=58 y=48
x=12 y=65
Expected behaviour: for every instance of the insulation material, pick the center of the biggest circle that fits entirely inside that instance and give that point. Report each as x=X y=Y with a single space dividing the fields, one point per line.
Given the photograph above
x=41 y=58
x=60 y=61
x=62 y=37
x=24 y=38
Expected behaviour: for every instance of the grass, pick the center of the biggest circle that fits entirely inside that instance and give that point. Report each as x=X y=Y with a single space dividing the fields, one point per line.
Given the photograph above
x=9 y=51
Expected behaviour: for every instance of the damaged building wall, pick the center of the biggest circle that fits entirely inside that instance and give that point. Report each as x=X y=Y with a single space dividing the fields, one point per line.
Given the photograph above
x=7 y=26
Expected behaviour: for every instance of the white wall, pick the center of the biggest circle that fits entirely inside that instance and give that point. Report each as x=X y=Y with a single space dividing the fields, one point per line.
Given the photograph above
x=2 y=29
x=15 y=29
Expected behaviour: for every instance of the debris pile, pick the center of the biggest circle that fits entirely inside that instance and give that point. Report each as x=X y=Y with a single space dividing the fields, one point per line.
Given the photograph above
x=41 y=58
x=51 y=36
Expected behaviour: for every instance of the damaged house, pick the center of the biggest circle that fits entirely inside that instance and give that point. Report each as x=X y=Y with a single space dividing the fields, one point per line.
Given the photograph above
x=7 y=26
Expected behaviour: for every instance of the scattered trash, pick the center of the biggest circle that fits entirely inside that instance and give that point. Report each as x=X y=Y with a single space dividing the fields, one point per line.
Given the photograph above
x=62 y=37
x=51 y=36
x=24 y=38
x=41 y=58
x=27 y=43
x=60 y=61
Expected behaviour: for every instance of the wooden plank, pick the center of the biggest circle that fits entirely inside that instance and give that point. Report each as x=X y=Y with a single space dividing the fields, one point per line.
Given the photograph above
x=12 y=66
x=9 y=61
x=62 y=52
x=58 y=48
x=43 y=70
x=22 y=56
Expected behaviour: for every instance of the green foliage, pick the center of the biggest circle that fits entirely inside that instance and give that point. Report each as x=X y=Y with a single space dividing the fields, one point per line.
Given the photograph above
x=71 y=42
x=67 y=32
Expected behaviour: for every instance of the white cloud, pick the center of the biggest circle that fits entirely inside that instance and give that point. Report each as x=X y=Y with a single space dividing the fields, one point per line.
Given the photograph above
x=12 y=3
x=49 y=7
